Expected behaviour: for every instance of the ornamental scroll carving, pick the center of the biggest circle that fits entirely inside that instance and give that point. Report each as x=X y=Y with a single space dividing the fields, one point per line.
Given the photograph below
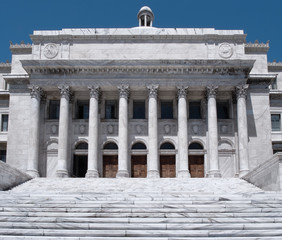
x=153 y=91
x=51 y=50
x=124 y=91
x=65 y=92
x=241 y=91
x=95 y=92
x=225 y=50
x=182 y=92
x=211 y=91
x=36 y=92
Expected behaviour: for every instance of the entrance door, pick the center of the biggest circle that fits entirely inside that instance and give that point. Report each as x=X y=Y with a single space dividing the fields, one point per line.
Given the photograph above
x=139 y=166
x=110 y=166
x=79 y=165
x=167 y=166
x=196 y=166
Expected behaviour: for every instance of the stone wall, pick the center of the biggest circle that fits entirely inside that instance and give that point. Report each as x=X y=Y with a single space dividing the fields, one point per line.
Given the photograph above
x=267 y=175
x=11 y=177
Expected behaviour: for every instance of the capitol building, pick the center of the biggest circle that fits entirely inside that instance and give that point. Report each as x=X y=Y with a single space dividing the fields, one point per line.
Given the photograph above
x=141 y=102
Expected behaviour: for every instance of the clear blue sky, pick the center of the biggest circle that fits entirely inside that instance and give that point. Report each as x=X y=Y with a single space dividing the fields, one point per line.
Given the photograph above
x=260 y=19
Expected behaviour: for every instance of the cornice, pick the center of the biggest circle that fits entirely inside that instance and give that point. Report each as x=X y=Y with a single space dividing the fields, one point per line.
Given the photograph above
x=20 y=48
x=261 y=79
x=5 y=67
x=145 y=67
x=16 y=78
x=256 y=47
x=274 y=66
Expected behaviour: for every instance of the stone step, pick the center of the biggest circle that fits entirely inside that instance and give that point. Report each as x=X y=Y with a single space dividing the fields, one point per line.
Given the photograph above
x=141 y=226
x=141 y=233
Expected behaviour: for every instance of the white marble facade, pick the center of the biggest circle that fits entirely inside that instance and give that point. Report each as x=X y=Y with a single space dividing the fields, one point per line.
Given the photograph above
x=203 y=88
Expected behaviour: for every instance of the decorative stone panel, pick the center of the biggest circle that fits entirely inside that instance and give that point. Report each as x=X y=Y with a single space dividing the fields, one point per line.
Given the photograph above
x=196 y=127
x=168 y=127
x=52 y=127
x=109 y=128
x=80 y=127
x=138 y=127
x=225 y=127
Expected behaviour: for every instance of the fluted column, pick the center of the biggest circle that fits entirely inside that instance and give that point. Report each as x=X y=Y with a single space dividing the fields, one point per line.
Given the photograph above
x=32 y=165
x=213 y=135
x=153 y=153
x=65 y=92
x=93 y=140
x=123 y=132
x=241 y=92
x=183 y=171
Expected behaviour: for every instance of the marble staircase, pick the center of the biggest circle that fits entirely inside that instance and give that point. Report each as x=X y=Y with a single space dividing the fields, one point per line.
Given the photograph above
x=163 y=209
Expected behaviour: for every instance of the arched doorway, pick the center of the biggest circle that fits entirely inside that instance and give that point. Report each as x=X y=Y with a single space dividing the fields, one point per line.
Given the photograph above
x=167 y=160
x=80 y=160
x=139 y=160
x=196 y=160
x=110 y=160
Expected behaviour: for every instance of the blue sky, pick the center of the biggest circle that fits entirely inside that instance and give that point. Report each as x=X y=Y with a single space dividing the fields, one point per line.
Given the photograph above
x=260 y=19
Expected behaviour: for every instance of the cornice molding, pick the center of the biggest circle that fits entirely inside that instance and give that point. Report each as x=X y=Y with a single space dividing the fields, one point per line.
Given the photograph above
x=274 y=66
x=20 y=48
x=208 y=67
x=261 y=79
x=257 y=47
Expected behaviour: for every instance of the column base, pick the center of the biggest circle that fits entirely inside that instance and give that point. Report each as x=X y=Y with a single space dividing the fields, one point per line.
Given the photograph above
x=33 y=173
x=153 y=174
x=92 y=174
x=122 y=174
x=183 y=174
x=62 y=174
x=243 y=173
x=214 y=174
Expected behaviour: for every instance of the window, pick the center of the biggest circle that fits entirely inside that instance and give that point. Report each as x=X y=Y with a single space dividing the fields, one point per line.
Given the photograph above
x=4 y=123
x=275 y=122
x=54 y=109
x=111 y=146
x=3 y=155
x=111 y=109
x=274 y=84
x=167 y=145
x=195 y=110
x=277 y=147
x=138 y=109
x=139 y=146
x=166 y=110
x=195 y=146
x=82 y=145
x=82 y=109
x=222 y=110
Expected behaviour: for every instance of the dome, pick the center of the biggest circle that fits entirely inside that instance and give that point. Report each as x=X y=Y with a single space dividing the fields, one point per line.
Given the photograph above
x=147 y=15
x=146 y=10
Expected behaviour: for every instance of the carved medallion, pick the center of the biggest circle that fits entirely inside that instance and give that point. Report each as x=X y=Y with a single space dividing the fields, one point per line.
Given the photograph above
x=51 y=50
x=225 y=50
x=81 y=129
x=110 y=129
x=54 y=129
x=167 y=128
x=138 y=128
x=195 y=129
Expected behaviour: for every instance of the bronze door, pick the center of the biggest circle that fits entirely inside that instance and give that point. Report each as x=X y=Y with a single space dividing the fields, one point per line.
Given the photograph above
x=110 y=166
x=196 y=166
x=167 y=166
x=139 y=166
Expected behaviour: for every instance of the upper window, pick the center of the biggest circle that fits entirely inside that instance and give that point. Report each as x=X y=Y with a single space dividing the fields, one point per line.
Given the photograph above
x=82 y=109
x=276 y=122
x=166 y=110
x=138 y=109
x=222 y=110
x=195 y=110
x=3 y=155
x=111 y=109
x=4 y=122
x=54 y=109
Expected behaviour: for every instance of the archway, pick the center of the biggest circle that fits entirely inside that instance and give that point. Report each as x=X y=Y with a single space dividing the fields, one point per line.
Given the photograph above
x=110 y=160
x=167 y=160
x=139 y=160
x=196 y=160
x=80 y=162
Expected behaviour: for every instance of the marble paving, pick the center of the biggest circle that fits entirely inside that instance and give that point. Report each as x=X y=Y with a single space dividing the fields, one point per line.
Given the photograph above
x=163 y=209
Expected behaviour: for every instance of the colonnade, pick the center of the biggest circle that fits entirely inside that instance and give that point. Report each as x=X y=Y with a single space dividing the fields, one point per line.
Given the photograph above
x=153 y=155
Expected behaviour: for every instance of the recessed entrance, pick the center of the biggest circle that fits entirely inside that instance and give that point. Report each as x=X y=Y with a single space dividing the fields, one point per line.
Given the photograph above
x=110 y=166
x=167 y=166
x=79 y=166
x=139 y=166
x=196 y=166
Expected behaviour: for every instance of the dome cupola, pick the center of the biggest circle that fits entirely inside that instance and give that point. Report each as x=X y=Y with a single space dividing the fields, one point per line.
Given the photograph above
x=145 y=17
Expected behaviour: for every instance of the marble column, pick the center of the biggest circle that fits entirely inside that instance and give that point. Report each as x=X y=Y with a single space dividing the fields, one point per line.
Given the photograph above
x=153 y=152
x=32 y=165
x=93 y=140
x=213 y=134
x=65 y=92
x=123 y=132
x=241 y=92
x=183 y=171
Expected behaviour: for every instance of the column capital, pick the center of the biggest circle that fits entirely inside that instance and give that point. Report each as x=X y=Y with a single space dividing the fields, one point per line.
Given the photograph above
x=182 y=91
x=241 y=91
x=123 y=91
x=36 y=92
x=153 y=90
x=95 y=92
x=65 y=92
x=211 y=91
